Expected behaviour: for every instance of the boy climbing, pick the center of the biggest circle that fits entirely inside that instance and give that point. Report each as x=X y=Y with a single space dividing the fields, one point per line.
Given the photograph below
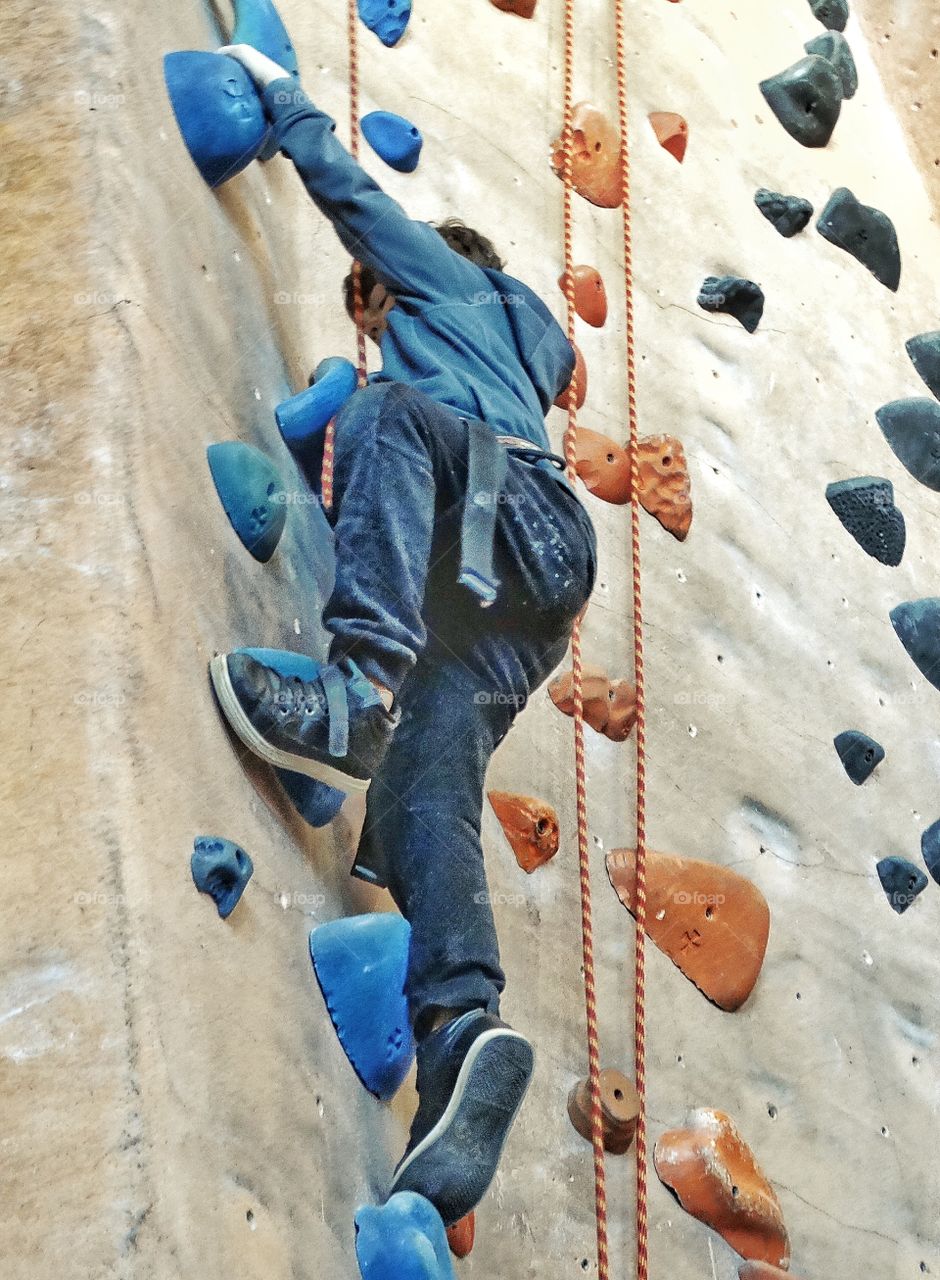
x=463 y=558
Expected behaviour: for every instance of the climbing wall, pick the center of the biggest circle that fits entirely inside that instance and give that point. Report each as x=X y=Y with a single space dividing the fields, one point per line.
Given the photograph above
x=175 y=1103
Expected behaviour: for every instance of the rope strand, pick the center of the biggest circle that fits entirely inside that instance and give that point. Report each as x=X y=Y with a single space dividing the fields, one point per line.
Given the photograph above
x=587 y=927
x=642 y=1208
x=329 y=442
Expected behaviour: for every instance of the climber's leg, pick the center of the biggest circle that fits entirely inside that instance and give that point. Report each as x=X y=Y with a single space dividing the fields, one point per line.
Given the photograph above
x=400 y=470
x=476 y=675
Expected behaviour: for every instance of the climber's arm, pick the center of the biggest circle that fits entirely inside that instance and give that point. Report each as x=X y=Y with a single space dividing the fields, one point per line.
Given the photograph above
x=409 y=257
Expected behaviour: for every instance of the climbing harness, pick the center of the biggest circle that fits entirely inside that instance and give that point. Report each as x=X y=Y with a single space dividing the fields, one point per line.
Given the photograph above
x=642 y=1245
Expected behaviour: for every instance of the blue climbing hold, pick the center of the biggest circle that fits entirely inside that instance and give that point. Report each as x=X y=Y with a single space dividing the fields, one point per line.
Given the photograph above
x=405 y=1239
x=302 y=420
x=315 y=801
x=386 y=18
x=912 y=429
x=394 y=138
x=259 y=24
x=901 y=881
x=361 y=964
x=252 y=495
x=218 y=111
x=917 y=626
x=860 y=755
x=221 y=869
x=930 y=848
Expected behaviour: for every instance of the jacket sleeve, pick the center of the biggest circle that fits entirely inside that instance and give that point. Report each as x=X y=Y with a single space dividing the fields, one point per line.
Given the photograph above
x=409 y=257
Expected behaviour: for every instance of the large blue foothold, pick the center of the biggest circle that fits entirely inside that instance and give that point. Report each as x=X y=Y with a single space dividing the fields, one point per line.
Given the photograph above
x=394 y=138
x=912 y=429
x=302 y=420
x=361 y=964
x=221 y=869
x=252 y=495
x=405 y=1239
x=917 y=625
x=386 y=18
x=315 y=801
x=218 y=111
x=901 y=881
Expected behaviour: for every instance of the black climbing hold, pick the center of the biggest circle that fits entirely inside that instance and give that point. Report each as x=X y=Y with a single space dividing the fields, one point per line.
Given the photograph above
x=901 y=881
x=912 y=429
x=866 y=508
x=836 y=49
x=930 y=848
x=860 y=755
x=917 y=626
x=252 y=494
x=221 y=869
x=789 y=214
x=866 y=233
x=740 y=298
x=833 y=14
x=924 y=351
x=806 y=99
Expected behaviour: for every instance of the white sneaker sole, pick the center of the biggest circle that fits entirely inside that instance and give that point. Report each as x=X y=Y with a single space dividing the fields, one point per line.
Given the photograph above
x=245 y=731
x=456 y=1176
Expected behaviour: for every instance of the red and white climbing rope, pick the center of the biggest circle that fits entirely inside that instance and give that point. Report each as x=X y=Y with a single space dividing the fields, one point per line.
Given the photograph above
x=584 y=862
x=352 y=30
x=642 y=1213
x=642 y=1217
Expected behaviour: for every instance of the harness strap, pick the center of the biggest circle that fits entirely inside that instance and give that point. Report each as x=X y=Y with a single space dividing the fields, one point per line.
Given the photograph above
x=487 y=462
x=337 y=709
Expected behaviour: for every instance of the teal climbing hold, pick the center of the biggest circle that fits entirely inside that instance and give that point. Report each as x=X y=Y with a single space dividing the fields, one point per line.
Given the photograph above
x=315 y=801
x=394 y=138
x=912 y=429
x=252 y=495
x=386 y=18
x=302 y=420
x=218 y=111
x=917 y=626
x=404 y=1239
x=259 y=24
x=361 y=964
x=901 y=881
x=924 y=350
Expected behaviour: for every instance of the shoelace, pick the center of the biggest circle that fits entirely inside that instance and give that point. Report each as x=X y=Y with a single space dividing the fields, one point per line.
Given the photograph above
x=297 y=697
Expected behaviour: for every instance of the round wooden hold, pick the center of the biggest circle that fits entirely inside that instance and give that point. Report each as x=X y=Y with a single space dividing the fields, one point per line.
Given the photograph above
x=620 y=1108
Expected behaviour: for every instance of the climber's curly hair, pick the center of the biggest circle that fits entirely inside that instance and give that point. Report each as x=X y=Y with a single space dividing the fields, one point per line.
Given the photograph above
x=461 y=238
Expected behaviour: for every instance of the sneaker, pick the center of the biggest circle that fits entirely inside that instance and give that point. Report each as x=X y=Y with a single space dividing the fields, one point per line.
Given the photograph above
x=473 y=1074
x=334 y=728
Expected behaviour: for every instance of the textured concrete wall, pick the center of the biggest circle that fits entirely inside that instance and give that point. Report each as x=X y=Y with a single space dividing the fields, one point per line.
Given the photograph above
x=174 y=1101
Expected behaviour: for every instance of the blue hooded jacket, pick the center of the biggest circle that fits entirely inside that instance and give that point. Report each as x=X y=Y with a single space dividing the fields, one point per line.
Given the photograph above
x=474 y=339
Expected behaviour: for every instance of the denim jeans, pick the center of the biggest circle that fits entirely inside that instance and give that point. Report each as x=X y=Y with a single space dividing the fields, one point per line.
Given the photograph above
x=461 y=673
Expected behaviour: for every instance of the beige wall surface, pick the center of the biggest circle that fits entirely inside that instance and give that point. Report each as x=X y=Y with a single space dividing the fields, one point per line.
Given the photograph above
x=174 y=1101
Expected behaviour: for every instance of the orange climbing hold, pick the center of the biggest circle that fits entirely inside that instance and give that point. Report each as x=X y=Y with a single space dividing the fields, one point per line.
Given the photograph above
x=582 y=377
x=603 y=465
x=530 y=826
x=620 y=1106
x=713 y=1172
x=524 y=8
x=763 y=1271
x=590 y=296
x=609 y=705
x=665 y=487
x=712 y=923
x=461 y=1235
x=595 y=164
x=671 y=131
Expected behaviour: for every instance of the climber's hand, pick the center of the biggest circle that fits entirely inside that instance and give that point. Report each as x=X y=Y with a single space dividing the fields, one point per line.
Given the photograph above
x=262 y=69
